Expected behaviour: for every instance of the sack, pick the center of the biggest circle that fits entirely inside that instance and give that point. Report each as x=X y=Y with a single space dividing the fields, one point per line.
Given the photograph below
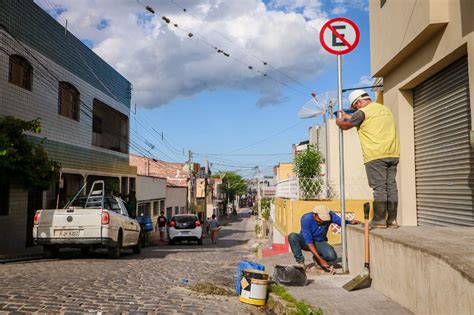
x=290 y=275
x=241 y=267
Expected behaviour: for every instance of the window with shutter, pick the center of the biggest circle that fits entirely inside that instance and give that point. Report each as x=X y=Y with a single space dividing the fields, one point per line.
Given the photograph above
x=20 y=72
x=69 y=99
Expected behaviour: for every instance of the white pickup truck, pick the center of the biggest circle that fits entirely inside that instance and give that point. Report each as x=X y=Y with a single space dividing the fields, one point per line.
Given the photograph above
x=88 y=222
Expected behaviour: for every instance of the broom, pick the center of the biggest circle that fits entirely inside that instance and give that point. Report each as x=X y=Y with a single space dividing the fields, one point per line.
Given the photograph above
x=363 y=280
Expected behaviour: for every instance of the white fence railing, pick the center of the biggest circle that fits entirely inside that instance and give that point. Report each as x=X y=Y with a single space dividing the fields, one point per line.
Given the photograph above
x=316 y=189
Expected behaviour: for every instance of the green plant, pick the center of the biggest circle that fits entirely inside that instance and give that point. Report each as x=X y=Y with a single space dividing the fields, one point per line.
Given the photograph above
x=308 y=170
x=232 y=185
x=308 y=163
x=23 y=160
x=258 y=229
x=303 y=308
x=266 y=202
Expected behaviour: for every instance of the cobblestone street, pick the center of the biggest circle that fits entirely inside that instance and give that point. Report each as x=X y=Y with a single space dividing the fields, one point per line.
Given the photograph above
x=153 y=281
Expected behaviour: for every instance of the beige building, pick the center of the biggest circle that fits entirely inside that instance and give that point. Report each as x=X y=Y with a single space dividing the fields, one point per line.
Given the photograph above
x=176 y=200
x=424 y=51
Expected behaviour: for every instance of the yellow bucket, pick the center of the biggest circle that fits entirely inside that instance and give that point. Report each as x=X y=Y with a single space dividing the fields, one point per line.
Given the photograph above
x=254 y=287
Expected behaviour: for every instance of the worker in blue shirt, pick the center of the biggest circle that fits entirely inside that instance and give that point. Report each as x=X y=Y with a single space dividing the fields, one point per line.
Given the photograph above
x=313 y=236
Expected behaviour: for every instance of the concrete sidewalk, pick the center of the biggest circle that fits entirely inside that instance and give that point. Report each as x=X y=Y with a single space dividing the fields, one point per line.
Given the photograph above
x=325 y=291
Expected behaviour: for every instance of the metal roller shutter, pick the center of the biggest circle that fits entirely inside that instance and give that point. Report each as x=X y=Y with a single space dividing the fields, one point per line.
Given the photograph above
x=444 y=159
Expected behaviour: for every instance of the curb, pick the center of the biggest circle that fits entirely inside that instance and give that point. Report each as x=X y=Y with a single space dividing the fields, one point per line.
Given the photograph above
x=277 y=305
x=12 y=259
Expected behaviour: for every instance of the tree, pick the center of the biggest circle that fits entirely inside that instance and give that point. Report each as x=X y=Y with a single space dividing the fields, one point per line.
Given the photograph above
x=232 y=184
x=23 y=160
x=308 y=170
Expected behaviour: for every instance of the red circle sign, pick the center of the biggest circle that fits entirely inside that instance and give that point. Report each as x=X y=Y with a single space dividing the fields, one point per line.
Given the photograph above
x=339 y=36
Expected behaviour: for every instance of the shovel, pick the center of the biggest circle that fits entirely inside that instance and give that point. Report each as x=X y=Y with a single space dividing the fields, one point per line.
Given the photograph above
x=363 y=280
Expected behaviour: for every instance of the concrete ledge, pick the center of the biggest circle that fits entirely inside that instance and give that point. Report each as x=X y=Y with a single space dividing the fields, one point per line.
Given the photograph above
x=429 y=270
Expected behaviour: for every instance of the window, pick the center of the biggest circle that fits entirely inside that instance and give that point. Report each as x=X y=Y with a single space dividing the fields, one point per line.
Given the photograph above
x=4 y=198
x=110 y=128
x=20 y=72
x=176 y=210
x=69 y=98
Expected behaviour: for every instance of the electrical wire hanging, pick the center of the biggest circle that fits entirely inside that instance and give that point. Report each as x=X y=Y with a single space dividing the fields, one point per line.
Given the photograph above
x=168 y=22
x=243 y=49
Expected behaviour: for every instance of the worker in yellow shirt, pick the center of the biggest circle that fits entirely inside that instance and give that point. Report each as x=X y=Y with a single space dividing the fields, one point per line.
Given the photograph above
x=381 y=149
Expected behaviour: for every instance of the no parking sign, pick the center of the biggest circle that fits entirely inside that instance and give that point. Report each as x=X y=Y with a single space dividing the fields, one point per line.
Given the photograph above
x=339 y=36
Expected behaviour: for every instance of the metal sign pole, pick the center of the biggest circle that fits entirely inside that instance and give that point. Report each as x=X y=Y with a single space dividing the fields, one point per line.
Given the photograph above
x=341 y=168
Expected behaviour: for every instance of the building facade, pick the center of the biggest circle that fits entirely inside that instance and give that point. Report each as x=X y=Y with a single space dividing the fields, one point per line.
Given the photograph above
x=426 y=60
x=176 y=200
x=83 y=105
x=151 y=196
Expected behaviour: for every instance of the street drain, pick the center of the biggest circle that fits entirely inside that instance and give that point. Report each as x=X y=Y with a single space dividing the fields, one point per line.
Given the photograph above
x=211 y=289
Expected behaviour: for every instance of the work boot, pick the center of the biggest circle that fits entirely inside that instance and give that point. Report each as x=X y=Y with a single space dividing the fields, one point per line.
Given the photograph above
x=380 y=211
x=392 y=214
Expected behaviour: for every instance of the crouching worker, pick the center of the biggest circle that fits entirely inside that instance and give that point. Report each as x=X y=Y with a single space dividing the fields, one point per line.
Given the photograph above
x=313 y=237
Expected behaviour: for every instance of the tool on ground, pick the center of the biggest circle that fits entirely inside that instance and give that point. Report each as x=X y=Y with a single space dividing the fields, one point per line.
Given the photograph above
x=363 y=280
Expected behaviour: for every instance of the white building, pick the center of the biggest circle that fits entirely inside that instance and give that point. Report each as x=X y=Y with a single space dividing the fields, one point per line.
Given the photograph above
x=151 y=195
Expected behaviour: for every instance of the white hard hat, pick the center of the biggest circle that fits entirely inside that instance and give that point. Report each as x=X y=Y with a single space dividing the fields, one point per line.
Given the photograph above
x=358 y=95
x=323 y=212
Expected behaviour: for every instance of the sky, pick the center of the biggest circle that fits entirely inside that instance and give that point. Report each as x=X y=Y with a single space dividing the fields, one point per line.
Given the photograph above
x=224 y=78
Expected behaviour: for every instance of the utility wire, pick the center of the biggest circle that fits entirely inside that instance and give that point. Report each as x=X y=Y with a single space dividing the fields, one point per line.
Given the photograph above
x=267 y=138
x=170 y=23
x=243 y=49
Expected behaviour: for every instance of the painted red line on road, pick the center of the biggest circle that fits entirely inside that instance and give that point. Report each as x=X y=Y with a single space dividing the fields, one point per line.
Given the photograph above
x=343 y=40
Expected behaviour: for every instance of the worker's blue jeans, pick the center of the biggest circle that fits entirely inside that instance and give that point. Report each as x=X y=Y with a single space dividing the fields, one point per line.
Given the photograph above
x=297 y=244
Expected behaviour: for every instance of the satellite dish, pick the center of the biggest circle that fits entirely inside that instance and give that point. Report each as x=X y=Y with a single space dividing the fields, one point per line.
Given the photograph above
x=311 y=108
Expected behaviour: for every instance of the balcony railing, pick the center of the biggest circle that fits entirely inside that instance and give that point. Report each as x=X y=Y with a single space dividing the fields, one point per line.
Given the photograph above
x=317 y=189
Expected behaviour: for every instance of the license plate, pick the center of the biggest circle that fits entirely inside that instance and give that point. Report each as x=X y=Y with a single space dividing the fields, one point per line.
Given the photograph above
x=185 y=233
x=67 y=233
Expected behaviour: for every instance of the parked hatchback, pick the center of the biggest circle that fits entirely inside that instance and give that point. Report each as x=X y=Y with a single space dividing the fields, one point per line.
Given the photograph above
x=185 y=227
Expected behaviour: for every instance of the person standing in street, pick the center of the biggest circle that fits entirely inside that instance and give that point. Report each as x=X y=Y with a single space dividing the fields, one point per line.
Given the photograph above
x=214 y=225
x=381 y=150
x=161 y=224
x=132 y=204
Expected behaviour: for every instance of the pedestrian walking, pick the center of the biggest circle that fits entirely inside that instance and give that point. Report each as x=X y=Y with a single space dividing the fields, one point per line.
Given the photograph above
x=381 y=150
x=215 y=228
x=161 y=225
x=208 y=221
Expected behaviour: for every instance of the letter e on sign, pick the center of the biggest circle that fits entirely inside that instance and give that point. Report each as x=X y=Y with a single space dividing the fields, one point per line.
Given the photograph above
x=339 y=36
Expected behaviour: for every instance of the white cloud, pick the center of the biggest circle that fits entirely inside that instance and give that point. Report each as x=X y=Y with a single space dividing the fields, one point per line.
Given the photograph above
x=164 y=64
x=365 y=80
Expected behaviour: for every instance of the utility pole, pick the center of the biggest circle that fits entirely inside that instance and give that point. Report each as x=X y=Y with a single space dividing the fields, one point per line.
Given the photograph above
x=259 y=196
x=190 y=182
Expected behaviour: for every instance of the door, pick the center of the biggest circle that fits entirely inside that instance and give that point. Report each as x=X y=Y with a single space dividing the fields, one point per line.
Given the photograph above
x=444 y=160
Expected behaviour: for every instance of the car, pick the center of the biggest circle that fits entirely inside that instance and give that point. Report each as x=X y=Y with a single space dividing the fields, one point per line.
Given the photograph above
x=185 y=227
x=88 y=222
